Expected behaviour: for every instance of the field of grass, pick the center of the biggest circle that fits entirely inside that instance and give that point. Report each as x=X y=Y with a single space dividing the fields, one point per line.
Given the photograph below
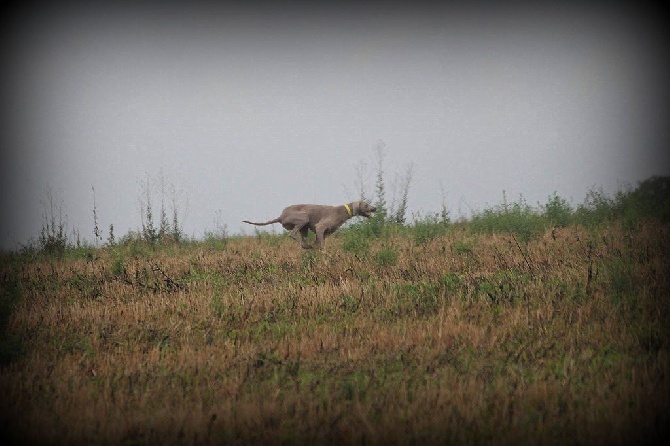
x=426 y=335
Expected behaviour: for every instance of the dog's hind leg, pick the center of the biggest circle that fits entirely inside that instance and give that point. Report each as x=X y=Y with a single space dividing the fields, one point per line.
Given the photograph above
x=297 y=223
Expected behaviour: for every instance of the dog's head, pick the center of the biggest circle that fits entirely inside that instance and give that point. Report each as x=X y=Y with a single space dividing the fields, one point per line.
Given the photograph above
x=364 y=209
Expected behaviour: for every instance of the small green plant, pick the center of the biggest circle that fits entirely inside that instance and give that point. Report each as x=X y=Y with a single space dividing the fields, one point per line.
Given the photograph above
x=218 y=306
x=462 y=248
x=118 y=266
x=96 y=229
x=134 y=245
x=349 y=303
x=416 y=299
x=401 y=187
x=450 y=282
x=218 y=238
x=355 y=241
x=386 y=257
x=111 y=240
x=505 y=286
x=308 y=260
x=380 y=188
x=429 y=228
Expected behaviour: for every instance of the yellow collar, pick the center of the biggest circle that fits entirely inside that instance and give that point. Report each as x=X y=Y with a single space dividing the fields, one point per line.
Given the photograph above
x=346 y=206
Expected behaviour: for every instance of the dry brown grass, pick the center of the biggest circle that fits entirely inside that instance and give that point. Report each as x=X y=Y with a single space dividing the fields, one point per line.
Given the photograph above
x=461 y=340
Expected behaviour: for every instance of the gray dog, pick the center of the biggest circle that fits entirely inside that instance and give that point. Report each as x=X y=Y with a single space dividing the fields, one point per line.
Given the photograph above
x=321 y=220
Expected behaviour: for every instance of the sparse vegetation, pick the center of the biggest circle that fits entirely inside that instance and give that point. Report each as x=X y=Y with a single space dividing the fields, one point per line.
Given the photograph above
x=525 y=325
x=53 y=237
x=166 y=232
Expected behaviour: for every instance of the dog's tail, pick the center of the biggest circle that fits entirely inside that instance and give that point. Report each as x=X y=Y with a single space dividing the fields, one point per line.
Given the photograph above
x=276 y=220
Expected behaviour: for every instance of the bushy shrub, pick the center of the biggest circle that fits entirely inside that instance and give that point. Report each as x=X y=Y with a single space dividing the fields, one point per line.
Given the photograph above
x=558 y=211
x=518 y=218
x=598 y=208
x=650 y=199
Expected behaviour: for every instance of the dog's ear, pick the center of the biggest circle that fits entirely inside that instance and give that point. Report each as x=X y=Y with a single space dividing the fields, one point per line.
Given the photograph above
x=356 y=208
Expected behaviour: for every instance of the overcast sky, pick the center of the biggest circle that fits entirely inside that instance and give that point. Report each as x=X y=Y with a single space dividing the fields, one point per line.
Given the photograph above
x=246 y=110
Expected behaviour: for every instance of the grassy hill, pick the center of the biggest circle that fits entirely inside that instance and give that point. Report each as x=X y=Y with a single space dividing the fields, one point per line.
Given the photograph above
x=436 y=333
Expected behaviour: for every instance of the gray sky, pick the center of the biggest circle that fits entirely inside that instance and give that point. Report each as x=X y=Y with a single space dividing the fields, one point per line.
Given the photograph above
x=247 y=110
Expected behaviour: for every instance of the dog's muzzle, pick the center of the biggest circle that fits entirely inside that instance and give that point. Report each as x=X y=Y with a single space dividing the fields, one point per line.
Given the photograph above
x=368 y=214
